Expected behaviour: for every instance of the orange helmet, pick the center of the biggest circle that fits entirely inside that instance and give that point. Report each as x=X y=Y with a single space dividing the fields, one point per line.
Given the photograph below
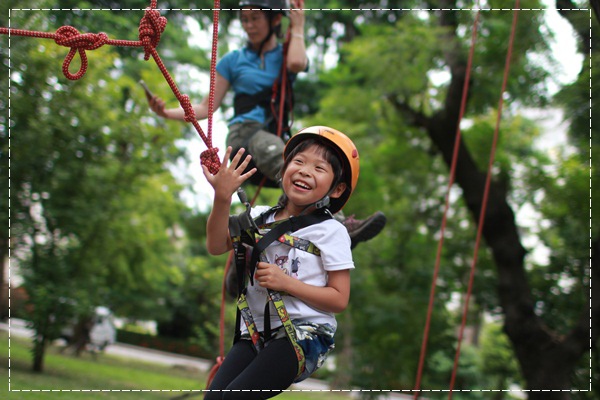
x=346 y=151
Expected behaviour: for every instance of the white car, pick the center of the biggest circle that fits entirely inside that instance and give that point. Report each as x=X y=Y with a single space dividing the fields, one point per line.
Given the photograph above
x=102 y=332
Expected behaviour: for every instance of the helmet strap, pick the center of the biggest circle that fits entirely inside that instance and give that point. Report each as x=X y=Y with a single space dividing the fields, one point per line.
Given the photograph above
x=324 y=202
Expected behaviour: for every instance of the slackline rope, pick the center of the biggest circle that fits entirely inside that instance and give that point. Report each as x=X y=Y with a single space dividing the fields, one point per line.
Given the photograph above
x=152 y=25
x=483 y=206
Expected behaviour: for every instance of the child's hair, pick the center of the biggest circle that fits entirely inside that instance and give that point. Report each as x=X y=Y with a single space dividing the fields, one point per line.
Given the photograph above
x=328 y=152
x=333 y=143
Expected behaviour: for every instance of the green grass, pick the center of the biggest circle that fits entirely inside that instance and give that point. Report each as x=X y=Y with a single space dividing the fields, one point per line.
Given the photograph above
x=105 y=377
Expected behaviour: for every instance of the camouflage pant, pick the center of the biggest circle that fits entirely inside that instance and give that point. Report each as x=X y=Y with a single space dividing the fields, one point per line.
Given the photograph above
x=265 y=147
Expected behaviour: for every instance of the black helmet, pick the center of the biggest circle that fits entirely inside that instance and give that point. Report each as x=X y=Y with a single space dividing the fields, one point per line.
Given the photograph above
x=282 y=6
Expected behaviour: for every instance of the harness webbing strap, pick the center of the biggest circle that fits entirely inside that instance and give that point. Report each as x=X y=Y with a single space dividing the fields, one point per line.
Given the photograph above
x=244 y=102
x=290 y=331
x=290 y=225
x=244 y=232
x=244 y=311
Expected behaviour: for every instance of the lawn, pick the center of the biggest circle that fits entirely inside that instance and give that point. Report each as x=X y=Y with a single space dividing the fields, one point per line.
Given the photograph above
x=104 y=377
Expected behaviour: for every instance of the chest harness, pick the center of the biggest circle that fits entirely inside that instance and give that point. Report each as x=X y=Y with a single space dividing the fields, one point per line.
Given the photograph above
x=256 y=235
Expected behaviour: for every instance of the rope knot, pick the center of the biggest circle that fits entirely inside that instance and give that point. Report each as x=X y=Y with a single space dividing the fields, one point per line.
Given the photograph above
x=70 y=37
x=190 y=114
x=210 y=158
x=151 y=27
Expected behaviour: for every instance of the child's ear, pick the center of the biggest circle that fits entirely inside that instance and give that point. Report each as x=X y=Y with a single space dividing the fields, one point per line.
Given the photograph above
x=338 y=191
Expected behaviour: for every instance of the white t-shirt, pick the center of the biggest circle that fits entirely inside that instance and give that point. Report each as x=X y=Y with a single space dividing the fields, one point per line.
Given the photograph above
x=332 y=239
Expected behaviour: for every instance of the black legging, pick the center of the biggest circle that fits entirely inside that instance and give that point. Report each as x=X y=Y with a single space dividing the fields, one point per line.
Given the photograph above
x=247 y=375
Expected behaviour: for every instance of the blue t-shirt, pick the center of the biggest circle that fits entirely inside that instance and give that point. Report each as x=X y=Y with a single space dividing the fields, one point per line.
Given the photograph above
x=242 y=69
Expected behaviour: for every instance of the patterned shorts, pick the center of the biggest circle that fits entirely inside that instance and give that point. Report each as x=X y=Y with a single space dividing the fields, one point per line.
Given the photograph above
x=316 y=341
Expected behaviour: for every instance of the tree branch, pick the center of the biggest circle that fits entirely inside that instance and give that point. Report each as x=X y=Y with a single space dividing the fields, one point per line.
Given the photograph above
x=563 y=7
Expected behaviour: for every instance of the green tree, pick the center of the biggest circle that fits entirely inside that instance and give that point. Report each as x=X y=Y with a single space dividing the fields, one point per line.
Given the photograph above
x=93 y=204
x=383 y=95
x=497 y=361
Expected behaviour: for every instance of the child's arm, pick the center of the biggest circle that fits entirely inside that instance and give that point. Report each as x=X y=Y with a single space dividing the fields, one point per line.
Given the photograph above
x=225 y=183
x=331 y=298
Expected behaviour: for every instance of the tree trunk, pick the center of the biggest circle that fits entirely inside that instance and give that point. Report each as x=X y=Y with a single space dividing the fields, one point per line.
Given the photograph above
x=39 y=350
x=4 y=243
x=546 y=359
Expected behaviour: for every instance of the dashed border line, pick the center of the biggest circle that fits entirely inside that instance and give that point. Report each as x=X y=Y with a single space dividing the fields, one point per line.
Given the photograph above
x=307 y=390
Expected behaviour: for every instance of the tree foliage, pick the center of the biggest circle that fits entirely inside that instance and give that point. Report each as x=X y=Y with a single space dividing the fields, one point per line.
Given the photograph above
x=95 y=214
x=93 y=211
x=400 y=115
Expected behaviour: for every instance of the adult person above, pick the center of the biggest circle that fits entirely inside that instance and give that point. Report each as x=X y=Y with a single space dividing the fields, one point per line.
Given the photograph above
x=251 y=73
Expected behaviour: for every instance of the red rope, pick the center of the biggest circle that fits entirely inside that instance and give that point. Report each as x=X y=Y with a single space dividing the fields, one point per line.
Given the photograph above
x=457 y=140
x=485 y=196
x=78 y=42
x=213 y=62
x=221 y=357
x=152 y=25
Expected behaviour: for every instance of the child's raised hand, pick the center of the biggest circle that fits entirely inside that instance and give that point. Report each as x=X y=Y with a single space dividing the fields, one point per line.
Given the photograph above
x=231 y=175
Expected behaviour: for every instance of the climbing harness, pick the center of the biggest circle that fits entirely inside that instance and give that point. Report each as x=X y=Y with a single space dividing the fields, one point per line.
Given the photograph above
x=253 y=235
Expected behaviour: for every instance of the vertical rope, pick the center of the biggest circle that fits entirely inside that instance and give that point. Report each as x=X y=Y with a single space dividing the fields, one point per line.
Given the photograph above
x=485 y=197
x=213 y=64
x=457 y=140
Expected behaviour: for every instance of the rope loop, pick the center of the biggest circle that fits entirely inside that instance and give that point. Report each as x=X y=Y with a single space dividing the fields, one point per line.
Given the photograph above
x=210 y=158
x=70 y=37
x=152 y=25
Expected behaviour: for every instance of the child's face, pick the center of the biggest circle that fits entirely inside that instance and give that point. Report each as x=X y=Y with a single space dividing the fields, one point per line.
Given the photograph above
x=308 y=178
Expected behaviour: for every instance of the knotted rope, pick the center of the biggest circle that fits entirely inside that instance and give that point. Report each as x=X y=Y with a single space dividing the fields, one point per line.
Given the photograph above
x=152 y=25
x=69 y=37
